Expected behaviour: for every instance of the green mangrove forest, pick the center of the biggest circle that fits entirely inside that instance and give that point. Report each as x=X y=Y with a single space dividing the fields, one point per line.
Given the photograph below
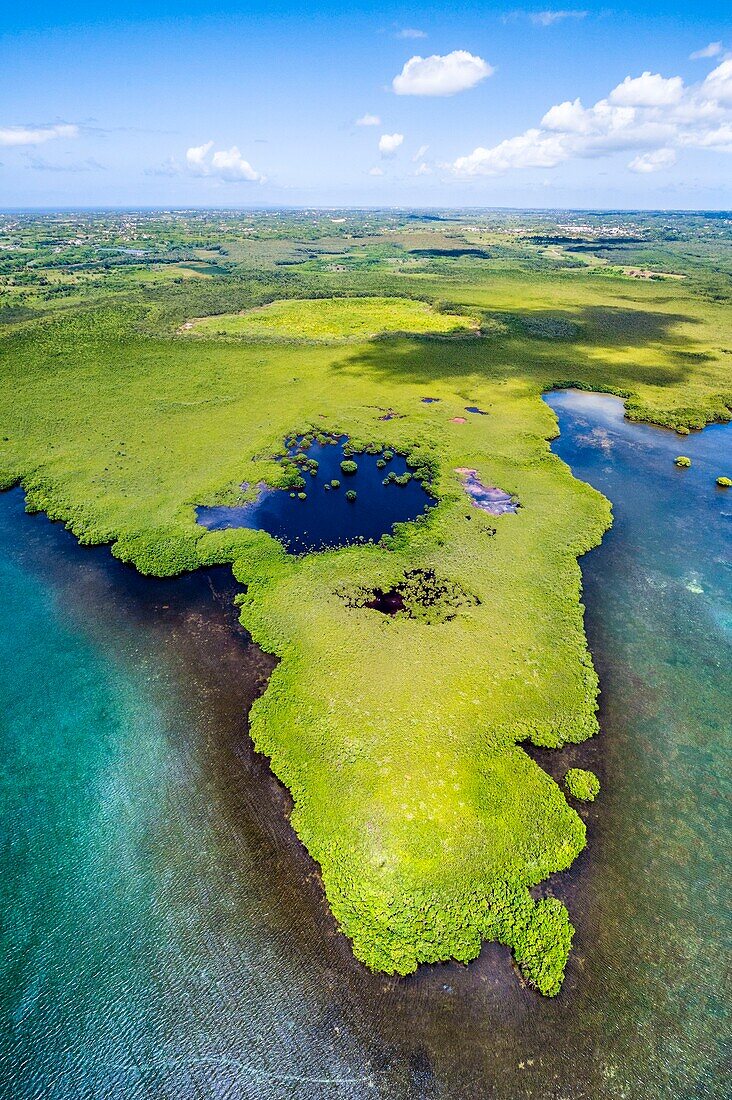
x=137 y=389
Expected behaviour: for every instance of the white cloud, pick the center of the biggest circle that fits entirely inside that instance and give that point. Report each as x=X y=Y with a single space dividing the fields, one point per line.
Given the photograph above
x=529 y=150
x=410 y=32
x=441 y=76
x=718 y=84
x=197 y=155
x=389 y=143
x=566 y=116
x=229 y=164
x=26 y=135
x=648 y=90
x=423 y=170
x=376 y=171
x=651 y=114
x=225 y=164
x=654 y=161
x=420 y=152
x=546 y=18
x=719 y=140
x=712 y=50
x=368 y=120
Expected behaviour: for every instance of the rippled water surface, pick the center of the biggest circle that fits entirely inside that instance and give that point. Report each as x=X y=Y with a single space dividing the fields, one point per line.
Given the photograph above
x=164 y=934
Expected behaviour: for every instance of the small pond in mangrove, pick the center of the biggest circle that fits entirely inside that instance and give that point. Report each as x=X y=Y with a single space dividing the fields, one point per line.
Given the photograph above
x=326 y=517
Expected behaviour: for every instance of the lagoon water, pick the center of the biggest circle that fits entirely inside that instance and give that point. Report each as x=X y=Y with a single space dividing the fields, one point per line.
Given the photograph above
x=164 y=934
x=326 y=518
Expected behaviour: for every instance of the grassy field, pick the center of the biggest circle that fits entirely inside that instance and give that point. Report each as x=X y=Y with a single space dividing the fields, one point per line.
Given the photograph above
x=334 y=319
x=400 y=739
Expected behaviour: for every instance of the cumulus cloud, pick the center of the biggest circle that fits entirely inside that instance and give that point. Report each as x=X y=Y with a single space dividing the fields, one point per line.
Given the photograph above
x=368 y=120
x=441 y=75
x=718 y=85
x=648 y=90
x=652 y=114
x=654 y=161
x=389 y=143
x=26 y=135
x=410 y=32
x=196 y=156
x=712 y=50
x=223 y=164
x=376 y=171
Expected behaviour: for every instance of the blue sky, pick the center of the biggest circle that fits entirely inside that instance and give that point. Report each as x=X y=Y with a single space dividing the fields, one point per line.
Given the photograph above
x=284 y=103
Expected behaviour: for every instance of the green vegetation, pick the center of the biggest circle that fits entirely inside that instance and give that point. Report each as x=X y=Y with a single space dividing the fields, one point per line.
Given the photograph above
x=118 y=426
x=724 y=482
x=351 y=495
x=582 y=784
x=334 y=319
x=348 y=466
x=424 y=596
x=683 y=461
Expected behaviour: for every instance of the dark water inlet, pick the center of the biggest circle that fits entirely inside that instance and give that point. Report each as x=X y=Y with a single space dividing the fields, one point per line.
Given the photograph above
x=164 y=933
x=326 y=518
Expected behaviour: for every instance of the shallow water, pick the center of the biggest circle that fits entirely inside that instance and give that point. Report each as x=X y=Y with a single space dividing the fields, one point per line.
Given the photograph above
x=165 y=935
x=326 y=518
x=489 y=498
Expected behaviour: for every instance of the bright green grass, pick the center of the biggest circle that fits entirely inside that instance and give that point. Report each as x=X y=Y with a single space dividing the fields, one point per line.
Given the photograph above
x=400 y=739
x=334 y=319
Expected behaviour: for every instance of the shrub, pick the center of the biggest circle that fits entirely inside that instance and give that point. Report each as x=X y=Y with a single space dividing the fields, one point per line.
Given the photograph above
x=351 y=495
x=348 y=466
x=380 y=464
x=335 y=483
x=302 y=496
x=682 y=461
x=582 y=784
x=724 y=482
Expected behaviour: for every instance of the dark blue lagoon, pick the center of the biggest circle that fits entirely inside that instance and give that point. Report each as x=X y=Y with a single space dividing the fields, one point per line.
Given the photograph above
x=328 y=516
x=164 y=934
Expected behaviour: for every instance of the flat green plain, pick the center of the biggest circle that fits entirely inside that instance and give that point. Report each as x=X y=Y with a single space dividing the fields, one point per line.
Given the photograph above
x=333 y=319
x=400 y=740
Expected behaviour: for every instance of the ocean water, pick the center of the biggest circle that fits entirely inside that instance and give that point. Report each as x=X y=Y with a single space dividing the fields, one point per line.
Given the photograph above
x=165 y=935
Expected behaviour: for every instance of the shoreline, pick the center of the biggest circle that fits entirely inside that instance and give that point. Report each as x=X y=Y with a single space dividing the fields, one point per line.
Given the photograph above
x=144 y=596
x=442 y=1015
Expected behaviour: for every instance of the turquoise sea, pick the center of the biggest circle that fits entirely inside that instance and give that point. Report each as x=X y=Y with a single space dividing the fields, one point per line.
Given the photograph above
x=163 y=932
